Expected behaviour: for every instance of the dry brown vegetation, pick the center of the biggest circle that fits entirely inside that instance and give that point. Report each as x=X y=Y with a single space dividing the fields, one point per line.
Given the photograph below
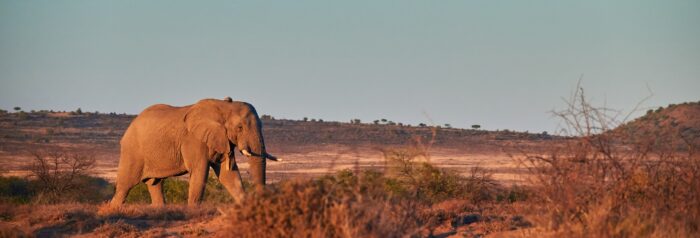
x=616 y=183
x=58 y=173
x=99 y=220
x=409 y=198
x=348 y=204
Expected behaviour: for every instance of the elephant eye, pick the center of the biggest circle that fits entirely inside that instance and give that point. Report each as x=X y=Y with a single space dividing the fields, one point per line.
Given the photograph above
x=239 y=128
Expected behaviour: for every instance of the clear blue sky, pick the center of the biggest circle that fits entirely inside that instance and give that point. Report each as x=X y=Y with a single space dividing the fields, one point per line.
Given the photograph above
x=501 y=64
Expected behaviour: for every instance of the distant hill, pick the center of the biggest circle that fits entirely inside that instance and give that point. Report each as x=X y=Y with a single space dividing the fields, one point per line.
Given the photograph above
x=676 y=123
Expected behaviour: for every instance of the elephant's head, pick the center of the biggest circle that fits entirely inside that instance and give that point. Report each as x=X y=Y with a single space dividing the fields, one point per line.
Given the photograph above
x=224 y=125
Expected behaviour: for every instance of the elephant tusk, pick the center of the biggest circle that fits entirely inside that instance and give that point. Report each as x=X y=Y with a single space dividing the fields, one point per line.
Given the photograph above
x=265 y=155
x=272 y=157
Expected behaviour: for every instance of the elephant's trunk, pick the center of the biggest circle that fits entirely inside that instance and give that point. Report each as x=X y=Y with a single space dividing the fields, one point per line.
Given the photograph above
x=257 y=162
x=257 y=171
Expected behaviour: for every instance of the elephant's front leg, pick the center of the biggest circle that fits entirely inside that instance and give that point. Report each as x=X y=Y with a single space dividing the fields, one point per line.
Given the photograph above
x=231 y=179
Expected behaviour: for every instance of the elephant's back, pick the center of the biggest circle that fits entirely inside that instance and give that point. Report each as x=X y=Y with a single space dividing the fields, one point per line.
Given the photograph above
x=163 y=110
x=157 y=125
x=161 y=113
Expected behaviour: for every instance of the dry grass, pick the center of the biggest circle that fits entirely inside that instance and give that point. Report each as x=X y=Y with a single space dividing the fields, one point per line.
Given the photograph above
x=341 y=206
x=608 y=183
x=116 y=229
x=347 y=204
x=366 y=205
x=397 y=202
x=99 y=220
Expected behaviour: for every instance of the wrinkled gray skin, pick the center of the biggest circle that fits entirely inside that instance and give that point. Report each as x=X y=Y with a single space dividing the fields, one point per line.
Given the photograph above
x=165 y=141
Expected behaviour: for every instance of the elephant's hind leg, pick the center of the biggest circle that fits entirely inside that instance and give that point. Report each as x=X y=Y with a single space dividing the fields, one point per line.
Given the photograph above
x=198 y=180
x=155 y=188
x=128 y=175
x=123 y=185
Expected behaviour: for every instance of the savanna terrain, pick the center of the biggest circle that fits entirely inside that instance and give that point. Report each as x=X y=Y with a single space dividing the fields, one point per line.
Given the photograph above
x=308 y=148
x=600 y=177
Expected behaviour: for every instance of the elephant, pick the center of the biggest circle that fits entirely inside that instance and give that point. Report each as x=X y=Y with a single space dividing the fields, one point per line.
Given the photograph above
x=165 y=141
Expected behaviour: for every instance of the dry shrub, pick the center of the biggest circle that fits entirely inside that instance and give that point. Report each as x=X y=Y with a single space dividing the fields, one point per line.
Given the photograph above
x=62 y=176
x=392 y=203
x=22 y=190
x=57 y=176
x=410 y=174
x=605 y=182
x=334 y=206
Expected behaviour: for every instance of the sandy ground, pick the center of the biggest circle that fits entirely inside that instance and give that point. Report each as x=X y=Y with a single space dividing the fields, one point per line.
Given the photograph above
x=330 y=159
x=503 y=167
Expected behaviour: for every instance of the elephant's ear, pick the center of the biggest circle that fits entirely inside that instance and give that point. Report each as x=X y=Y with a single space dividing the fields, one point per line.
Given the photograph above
x=205 y=125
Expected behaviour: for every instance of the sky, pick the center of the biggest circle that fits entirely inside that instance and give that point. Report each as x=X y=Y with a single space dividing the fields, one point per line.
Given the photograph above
x=500 y=64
